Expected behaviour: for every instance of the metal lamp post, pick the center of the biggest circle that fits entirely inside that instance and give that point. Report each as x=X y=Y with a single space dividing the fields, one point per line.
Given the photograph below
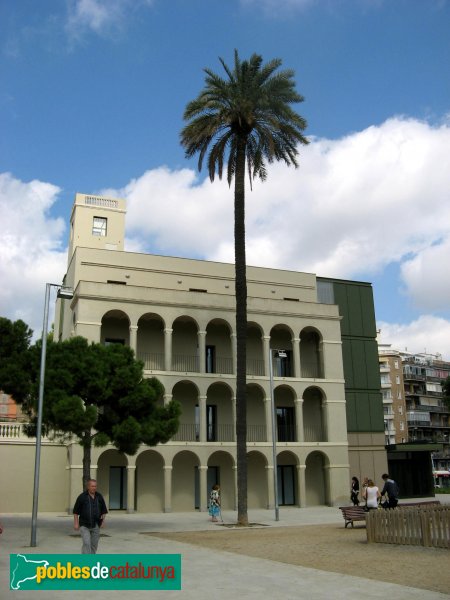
x=62 y=293
x=282 y=354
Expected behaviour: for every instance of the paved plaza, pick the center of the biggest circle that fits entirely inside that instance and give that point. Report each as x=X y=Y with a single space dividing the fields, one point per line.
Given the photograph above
x=205 y=573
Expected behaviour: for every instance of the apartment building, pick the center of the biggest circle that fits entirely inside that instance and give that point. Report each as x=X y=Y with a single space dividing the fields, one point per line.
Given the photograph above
x=427 y=413
x=178 y=315
x=393 y=393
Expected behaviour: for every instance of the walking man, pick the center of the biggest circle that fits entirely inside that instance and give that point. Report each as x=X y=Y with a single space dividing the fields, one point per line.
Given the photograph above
x=89 y=516
x=391 y=489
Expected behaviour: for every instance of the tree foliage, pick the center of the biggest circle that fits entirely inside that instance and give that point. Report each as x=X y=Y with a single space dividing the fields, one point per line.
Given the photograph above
x=97 y=394
x=15 y=340
x=243 y=119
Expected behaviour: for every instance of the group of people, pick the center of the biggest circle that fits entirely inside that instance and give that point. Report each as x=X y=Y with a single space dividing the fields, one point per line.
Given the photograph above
x=371 y=495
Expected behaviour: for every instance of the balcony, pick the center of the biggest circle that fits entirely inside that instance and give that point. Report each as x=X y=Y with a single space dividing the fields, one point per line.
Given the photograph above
x=152 y=362
x=185 y=364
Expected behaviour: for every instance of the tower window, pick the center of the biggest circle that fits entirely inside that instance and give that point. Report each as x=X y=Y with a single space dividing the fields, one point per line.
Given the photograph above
x=99 y=226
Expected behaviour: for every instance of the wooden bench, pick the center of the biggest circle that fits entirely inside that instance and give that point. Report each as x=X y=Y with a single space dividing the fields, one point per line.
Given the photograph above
x=353 y=513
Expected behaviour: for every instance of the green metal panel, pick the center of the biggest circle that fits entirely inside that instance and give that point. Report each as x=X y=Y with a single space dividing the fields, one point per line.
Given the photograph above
x=360 y=356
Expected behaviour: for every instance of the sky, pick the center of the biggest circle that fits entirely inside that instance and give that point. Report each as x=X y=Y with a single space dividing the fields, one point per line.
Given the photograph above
x=92 y=95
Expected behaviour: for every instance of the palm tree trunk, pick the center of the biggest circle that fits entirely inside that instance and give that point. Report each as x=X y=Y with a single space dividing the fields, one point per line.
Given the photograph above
x=241 y=332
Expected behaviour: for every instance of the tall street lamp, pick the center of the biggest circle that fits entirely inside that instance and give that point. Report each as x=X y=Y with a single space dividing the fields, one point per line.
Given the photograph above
x=64 y=293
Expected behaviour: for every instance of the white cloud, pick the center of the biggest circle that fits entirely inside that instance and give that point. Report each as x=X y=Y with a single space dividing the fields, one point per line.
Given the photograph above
x=426 y=276
x=427 y=334
x=355 y=205
x=31 y=253
x=99 y=16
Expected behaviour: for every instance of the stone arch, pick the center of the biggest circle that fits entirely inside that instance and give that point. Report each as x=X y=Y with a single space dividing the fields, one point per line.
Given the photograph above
x=150 y=341
x=112 y=478
x=219 y=413
x=184 y=476
x=218 y=350
x=185 y=351
x=287 y=478
x=149 y=482
x=115 y=328
x=317 y=479
x=258 y=496
x=285 y=408
x=311 y=358
x=256 y=413
x=281 y=339
x=313 y=420
x=255 y=349
x=221 y=470
x=186 y=393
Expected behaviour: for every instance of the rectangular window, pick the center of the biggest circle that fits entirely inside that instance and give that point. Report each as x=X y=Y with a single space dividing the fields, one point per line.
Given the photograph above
x=400 y=410
x=395 y=364
x=211 y=423
x=397 y=379
x=99 y=226
x=210 y=356
x=402 y=426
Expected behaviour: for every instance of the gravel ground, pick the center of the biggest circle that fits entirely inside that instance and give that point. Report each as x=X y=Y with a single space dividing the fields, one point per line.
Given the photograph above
x=331 y=548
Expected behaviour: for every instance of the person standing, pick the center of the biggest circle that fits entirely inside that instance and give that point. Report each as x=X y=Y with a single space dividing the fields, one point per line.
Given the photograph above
x=354 y=491
x=391 y=489
x=371 y=495
x=214 y=502
x=89 y=514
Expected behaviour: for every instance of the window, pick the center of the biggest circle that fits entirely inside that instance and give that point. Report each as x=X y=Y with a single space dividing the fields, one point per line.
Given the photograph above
x=400 y=410
x=99 y=226
x=397 y=379
x=402 y=426
x=210 y=356
x=211 y=423
x=285 y=424
x=109 y=341
x=395 y=364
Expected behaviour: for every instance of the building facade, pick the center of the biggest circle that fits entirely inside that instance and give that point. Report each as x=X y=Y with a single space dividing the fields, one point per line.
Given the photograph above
x=393 y=392
x=178 y=315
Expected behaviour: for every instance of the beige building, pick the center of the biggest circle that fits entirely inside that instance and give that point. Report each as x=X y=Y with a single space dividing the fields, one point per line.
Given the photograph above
x=178 y=315
x=393 y=392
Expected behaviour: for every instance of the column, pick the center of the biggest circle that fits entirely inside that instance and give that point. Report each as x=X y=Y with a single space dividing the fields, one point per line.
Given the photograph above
x=301 y=485
x=269 y=417
x=167 y=398
x=233 y=417
x=168 y=349
x=202 y=417
x=324 y=411
x=299 y=419
x=296 y=352
x=201 y=335
x=131 y=482
x=270 y=488
x=167 y=489
x=203 y=491
x=133 y=338
x=234 y=351
x=266 y=350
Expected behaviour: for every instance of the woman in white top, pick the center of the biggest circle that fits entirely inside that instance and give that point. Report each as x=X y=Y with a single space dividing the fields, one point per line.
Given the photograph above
x=372 y=495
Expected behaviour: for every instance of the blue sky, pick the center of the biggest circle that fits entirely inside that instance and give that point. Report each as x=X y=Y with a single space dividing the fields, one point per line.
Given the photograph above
x=91 y=100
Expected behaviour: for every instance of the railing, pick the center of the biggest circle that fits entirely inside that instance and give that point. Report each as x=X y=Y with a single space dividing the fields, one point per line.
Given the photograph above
x=152 y=361
x=224 y=433
x=187 y=432
x=223 y=365
x=256 y=433
x=314 y=433
x=255 y=367
x=311 y=370
x=12 y=431
x=185 y=364
x=417 y=526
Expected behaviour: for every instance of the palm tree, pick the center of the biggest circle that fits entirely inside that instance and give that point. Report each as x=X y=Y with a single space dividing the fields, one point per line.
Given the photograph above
x=244 y=119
